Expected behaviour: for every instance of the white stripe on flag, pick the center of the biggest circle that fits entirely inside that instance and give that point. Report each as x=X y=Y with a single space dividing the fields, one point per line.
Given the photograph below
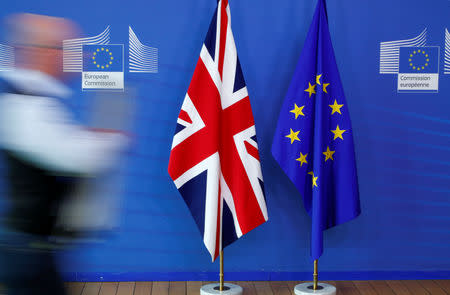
x=212 y=202
x=226 y=195
x=251 y=165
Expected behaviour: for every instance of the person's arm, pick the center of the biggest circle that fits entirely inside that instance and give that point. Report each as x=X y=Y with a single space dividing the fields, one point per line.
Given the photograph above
x=40 y=130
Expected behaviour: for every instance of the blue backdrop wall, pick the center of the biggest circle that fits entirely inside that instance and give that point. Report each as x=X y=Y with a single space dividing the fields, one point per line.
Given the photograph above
x=402 y=142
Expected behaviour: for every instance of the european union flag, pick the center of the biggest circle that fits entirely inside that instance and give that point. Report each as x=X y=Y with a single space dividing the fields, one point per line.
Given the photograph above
x=102 y=58
x=313 y=142
x=419 y=60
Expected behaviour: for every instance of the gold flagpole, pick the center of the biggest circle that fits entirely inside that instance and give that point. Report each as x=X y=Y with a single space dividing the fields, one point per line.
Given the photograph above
x=221 y=272
x=315 y=275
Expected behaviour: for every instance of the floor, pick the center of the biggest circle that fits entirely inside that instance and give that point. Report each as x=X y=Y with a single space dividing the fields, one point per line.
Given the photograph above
x=413 y=287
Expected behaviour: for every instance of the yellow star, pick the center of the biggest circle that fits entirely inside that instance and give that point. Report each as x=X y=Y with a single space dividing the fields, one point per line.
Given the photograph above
x=336 y=108
x=293 y=136
x=314 y=179
x=302 y=159
x=318 y=79
x=325 y=87
x=338 y=133
x=297 y=110
x=328 y=154
x=311 y=89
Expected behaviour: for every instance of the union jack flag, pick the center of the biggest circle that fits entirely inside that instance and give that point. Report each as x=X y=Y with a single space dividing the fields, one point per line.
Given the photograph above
x=214 y=160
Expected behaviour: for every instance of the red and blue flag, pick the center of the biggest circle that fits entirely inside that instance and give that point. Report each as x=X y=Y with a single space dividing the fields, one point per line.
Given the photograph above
x=214 y=161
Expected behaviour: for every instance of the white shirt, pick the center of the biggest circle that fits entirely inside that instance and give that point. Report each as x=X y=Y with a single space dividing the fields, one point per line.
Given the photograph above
x=39 y=129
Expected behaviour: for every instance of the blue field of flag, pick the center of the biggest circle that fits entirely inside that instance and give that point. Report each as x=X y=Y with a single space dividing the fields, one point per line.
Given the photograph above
x=102 y=58
x=419 y=60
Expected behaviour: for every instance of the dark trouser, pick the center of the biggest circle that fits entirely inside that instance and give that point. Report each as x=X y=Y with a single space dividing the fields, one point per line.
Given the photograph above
x=28 y=265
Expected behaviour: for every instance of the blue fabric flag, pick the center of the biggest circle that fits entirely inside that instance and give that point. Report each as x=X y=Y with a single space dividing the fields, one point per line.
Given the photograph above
x=313 y=142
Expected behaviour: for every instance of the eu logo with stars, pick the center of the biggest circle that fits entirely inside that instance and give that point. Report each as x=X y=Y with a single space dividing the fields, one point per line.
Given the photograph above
x=103 y=67
x=418 y=69
x=102 y=58
x=419 y=59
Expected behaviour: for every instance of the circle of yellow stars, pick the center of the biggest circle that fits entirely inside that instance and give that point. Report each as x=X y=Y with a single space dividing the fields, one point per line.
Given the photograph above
x=109 y=56
x=337 y=132
x=418 y=53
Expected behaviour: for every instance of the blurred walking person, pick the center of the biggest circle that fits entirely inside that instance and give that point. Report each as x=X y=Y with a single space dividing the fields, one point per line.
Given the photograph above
x=45 y=153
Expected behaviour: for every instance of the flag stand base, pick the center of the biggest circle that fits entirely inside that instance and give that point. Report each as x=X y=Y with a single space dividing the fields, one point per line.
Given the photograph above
x=322 y=289
x=229 y=289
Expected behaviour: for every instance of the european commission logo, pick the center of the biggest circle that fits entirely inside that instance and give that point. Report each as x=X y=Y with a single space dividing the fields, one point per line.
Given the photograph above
x=103 y=64
x=415 y=64
x=102 y=67
x=418 y=69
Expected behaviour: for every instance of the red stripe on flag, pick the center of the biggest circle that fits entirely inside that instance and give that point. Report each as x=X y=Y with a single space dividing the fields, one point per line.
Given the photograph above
x=184 y=116
x=202 y=144
x=238 y=117
x=252 y=150
x=223 y=35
